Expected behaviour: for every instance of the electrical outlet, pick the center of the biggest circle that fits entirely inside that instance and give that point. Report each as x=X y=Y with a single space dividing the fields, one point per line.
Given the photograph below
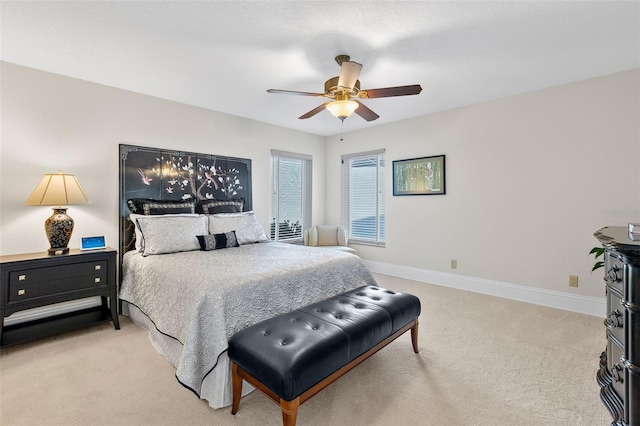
x=454 y=264
x=573 y=281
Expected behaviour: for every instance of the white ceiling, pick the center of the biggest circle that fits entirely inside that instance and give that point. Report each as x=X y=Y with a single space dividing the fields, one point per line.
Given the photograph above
x=223 y=55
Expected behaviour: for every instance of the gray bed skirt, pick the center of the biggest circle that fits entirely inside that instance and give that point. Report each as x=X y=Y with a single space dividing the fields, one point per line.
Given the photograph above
x=216 y=387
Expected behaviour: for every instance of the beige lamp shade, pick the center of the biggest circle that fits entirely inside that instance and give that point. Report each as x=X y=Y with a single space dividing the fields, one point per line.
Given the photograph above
x=57 y=190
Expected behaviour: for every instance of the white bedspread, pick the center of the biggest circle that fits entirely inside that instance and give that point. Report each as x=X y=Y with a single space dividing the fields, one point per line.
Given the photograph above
x=200 y=298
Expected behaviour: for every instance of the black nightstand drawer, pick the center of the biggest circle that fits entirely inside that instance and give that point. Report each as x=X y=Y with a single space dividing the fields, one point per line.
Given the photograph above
x=27 y=289
x=35 y=275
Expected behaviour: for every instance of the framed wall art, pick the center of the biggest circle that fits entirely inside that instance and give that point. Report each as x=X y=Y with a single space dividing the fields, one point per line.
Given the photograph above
x=419 y=176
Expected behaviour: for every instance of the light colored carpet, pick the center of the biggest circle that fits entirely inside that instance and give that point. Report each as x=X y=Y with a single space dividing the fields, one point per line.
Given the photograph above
x=482 y=361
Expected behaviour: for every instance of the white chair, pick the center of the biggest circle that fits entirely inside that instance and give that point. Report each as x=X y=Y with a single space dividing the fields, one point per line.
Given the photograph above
x=327 y=236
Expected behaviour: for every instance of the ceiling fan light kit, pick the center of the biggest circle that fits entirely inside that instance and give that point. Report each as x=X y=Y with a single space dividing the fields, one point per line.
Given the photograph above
x=342 y=107
x=347 y=86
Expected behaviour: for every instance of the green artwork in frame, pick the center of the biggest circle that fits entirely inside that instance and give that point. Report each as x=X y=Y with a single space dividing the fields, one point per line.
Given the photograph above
x=419 y=176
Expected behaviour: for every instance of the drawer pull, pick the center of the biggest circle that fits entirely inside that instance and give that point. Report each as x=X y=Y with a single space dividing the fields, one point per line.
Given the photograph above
x=615 y=373
x=613 y=319
x=98 y=267
x=612 y=275
x=97 y=280
x=22 y=278
x=22 y=292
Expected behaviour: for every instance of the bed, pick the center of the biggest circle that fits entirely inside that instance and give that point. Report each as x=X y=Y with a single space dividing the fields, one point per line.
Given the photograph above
x=193 y=294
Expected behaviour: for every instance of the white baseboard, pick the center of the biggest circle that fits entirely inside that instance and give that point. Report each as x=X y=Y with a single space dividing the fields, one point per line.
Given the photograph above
x=554 y=299
x=51 y=310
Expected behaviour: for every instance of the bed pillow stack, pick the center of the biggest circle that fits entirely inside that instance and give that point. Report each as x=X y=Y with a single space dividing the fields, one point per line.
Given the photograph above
x=172 y=226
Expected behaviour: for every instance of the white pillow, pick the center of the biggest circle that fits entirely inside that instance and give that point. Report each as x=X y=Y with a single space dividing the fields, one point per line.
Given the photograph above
x=170 y=234
x=134 y=217
x=246 y=225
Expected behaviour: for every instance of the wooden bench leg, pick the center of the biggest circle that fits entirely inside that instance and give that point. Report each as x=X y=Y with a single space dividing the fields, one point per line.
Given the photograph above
x=414 y=337
x=236 y=382
x=289 y=411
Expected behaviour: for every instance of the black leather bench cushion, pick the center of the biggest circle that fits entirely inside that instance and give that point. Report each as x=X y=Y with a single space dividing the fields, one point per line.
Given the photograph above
x=402 y=307
x=364 y=323
x=291 y=352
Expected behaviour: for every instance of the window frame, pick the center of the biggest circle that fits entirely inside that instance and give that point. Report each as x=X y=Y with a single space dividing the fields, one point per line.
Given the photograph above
x=306 y=187
x=346 y=196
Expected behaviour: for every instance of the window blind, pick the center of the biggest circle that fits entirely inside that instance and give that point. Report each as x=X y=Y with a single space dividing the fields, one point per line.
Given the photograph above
x=362 y=188
x=291 y=195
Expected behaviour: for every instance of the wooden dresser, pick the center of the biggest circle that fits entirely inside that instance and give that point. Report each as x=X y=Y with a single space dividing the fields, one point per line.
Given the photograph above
x=619 y=373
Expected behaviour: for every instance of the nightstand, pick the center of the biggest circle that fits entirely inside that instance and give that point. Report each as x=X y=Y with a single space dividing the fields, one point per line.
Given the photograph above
x=37 y=279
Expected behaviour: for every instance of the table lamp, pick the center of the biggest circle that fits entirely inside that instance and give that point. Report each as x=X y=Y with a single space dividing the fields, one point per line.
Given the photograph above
x=58 y=190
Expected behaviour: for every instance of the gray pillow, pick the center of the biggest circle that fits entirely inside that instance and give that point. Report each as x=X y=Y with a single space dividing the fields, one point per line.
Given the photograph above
x=170 y=234
x=248 y=229
x=134 y=219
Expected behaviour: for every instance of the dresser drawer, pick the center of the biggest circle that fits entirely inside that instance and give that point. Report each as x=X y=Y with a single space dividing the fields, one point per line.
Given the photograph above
x=614 y=272
x=617 y=370
x=615 y=316
x=632 y=342
x=26 y=284
x=633 y=284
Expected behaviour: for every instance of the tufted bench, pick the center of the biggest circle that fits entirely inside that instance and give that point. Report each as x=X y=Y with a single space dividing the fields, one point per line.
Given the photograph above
x=293 y=356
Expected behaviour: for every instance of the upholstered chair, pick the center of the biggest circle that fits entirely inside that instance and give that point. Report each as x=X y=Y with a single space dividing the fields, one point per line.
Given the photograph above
x=327 y=236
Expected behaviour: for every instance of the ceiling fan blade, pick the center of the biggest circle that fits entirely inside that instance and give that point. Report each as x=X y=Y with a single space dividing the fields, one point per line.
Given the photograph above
x=390 y=91
x=293 y=92
x=313 y=111
x=364 y=112
x=349 y=73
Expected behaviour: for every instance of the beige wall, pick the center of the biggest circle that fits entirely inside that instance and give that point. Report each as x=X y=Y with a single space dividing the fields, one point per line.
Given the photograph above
x=50 y=122
x=529 y=179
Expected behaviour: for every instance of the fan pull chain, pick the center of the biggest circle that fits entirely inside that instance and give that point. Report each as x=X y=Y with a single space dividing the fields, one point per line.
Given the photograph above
x=341 y=127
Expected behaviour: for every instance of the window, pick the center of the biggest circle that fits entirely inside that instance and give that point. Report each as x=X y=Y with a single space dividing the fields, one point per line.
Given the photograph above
x=363 y=197
x=290 y=195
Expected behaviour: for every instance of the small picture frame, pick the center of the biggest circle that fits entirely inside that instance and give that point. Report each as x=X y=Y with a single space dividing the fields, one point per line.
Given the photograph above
x=93 y=243
x=419 y=176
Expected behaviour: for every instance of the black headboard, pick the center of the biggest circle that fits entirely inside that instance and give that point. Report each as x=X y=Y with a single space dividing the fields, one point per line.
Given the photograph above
x=165 y=174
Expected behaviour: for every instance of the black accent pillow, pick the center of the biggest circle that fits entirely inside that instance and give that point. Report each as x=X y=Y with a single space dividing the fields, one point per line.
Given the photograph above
x=218 y=241
x=149 y=206
x=220 y=206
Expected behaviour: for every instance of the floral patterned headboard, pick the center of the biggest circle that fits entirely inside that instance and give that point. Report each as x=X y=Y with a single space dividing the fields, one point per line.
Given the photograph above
x=165 y=174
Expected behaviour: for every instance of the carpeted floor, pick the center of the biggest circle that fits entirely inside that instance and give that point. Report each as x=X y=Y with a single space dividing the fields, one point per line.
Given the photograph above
x=482 y=361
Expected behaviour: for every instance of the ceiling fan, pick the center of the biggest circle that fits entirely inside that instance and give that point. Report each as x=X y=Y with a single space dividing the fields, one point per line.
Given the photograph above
x=343 y=88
